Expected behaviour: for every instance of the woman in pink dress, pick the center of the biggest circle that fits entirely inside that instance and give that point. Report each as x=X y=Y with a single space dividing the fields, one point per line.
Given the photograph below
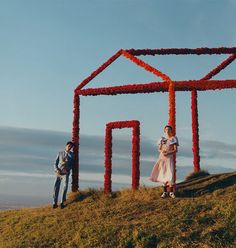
x=163 y=170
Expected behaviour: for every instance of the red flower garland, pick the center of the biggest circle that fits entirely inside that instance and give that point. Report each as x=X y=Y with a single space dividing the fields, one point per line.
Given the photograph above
x=146 y=66
x=220 y=67
x=172 y=119
x=182 y=51
x=135 y=125
x=188 y=85
x=108 y=160
x=99 y=70
x=75 y=139
x=172 y=110
x=195 y=131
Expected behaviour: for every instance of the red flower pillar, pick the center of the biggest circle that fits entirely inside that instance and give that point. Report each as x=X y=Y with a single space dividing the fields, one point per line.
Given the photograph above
x=135 y=125
x=194 y=107
x=75 y=139
x=172 y=111
x=108 y=160
x=172 y=118
x=195 y=131
x=135 y=155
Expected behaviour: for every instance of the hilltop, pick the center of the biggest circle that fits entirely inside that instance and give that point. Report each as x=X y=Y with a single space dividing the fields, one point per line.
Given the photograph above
x=203 y=215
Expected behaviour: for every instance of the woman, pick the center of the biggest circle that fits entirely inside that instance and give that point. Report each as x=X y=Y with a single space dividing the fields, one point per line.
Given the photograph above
x=163 y=170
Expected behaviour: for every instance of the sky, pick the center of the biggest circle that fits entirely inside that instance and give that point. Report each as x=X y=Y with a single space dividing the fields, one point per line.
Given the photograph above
x=48 y=47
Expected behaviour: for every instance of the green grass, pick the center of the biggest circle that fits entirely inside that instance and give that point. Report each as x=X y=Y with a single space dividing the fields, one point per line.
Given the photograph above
x=203 y=215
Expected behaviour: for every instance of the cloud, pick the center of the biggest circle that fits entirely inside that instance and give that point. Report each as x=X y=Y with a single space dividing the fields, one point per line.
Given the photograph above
x=5 y=174
x=29 y=150
x=27 y=157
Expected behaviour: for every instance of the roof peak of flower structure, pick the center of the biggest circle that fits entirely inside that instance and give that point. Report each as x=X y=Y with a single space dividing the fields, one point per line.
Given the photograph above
x=132 y=53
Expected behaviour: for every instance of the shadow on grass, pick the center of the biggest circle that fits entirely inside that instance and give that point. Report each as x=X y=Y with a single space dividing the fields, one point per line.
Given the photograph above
x=190 y=188
x=82 y=195
x=197 y=181
x=194 y=187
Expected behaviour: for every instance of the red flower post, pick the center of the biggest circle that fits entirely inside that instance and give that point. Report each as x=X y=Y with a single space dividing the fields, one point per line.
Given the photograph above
x=172 y=118
x=195 y=131
x=75 y=139
x=194 y=108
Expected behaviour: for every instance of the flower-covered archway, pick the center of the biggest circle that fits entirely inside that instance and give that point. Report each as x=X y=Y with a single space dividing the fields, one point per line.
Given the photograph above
x=135 y=125
x=168 y=85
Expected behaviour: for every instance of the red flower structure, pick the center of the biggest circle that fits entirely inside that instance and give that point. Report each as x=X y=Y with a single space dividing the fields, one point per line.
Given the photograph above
x=135 y=125
x=167 y=85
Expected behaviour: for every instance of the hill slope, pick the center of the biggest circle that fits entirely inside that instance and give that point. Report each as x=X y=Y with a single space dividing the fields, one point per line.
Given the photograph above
x=203 y=215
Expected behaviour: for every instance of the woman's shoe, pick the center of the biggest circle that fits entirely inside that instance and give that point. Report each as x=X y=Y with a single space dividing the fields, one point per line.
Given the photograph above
x=172 y=195
x=164 y=195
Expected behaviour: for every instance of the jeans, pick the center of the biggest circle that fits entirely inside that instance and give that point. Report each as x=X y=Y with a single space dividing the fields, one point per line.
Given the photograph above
x=65 y=180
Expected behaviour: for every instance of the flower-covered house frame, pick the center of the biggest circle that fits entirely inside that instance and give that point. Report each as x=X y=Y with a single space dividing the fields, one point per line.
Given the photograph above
x=168 y=85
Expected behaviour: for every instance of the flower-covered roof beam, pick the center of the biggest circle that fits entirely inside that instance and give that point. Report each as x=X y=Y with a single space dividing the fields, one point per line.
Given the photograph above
x=182 y=51
x=220 y=67
x=188 y=85
x=163 y=51
x=137 y=61
x=99 y=70
x=146 y=66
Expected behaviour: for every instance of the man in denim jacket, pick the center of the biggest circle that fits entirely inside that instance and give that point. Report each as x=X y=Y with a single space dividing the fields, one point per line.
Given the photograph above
x=63 y=165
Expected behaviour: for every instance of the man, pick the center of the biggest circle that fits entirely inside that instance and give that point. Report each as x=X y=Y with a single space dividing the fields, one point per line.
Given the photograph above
x=62 y=167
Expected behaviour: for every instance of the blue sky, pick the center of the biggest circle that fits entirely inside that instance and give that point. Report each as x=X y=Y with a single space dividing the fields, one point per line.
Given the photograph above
x=48 y=47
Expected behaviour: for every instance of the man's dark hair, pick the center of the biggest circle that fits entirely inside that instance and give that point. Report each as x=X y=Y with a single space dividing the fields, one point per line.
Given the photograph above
x=70 y=143
x=168 y=127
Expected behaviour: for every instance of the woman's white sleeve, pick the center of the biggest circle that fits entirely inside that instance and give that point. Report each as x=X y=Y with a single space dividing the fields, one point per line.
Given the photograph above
x=174 y=140
x=159 y=141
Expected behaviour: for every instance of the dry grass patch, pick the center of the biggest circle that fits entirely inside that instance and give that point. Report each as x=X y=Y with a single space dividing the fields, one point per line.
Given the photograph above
x=202 y=215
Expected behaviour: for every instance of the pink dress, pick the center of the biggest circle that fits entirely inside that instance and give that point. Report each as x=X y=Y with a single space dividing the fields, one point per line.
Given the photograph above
x=163 y=170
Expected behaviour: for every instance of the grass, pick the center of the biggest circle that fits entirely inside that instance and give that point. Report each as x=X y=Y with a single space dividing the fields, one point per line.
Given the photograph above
x=203 y=215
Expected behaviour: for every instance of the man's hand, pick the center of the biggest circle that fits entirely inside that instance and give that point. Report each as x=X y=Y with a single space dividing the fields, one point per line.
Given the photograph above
x=165 y=153
x=64 y=171
x=58 y=172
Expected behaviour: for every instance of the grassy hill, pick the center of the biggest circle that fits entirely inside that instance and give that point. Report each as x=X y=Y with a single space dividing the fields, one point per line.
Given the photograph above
x=203 y=215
